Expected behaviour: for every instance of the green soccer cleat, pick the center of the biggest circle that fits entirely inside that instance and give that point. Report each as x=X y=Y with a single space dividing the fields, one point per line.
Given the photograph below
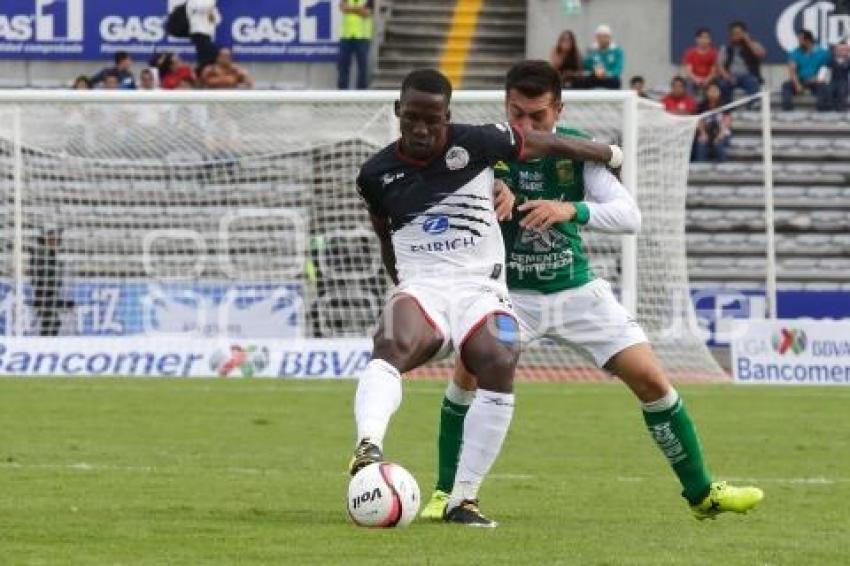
x=436 y=507
x=366 y=453
x=467 y=513
x=723 y=497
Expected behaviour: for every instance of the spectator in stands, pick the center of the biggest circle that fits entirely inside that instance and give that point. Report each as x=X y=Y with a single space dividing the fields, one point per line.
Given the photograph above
x=739 y=62
x=46 y=281
x=638 y=84
x=156 y=61
x=186 y=84
x=173 y=71
x=81 y=83
x=204 y=17
x=840 y=67
x=122 y=69
x=566 y=58
x=110 y=81
x=147 y=79
x=354 y=41
x=679 y=100
x=700 y=63
x=807 y=65
x=713 y=131
x=604 y=61
x=224 y=73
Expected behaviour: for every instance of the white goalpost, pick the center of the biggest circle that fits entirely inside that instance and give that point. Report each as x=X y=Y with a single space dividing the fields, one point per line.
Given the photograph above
x=202 y=215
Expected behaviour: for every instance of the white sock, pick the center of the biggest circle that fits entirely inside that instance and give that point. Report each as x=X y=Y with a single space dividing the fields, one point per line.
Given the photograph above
x=457 y=395
x=378 y=397
x=484 y=431
x=664 y=404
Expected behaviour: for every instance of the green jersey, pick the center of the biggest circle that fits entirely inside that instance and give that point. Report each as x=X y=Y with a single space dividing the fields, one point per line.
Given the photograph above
x=554 y=260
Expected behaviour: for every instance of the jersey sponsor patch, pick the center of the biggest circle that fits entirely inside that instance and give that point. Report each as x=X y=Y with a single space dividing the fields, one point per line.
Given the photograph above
x=436 y=224
x=389 y=178
x=457 y=158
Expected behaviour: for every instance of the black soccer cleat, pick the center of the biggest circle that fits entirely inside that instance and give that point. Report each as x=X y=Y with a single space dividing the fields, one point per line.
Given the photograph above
x=366 y=453
x=468 y=513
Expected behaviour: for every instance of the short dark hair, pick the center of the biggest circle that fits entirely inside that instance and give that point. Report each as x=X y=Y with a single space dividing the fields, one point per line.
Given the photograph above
x=636 y=79
x=534 y=78
x=738 y=24
x=701 y=31
x=121 y=56
x=678 y=79
x=807 y=35
x=431 y=81
x=83 y=79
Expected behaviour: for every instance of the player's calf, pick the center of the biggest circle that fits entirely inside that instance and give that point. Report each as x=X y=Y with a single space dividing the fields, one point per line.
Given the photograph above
x=402 y=342
x=491 y=353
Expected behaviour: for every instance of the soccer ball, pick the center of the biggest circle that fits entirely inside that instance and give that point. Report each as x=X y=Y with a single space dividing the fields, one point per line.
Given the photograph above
x=384 y=495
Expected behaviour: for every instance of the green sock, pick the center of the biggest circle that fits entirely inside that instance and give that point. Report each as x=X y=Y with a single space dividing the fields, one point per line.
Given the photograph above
x=673 y=431
x=451 y=437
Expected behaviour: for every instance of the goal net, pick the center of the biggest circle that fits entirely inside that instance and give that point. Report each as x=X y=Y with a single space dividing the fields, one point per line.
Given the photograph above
x=205 y=215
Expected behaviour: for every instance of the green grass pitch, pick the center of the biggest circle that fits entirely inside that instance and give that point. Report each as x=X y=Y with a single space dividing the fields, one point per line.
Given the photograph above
x=105 y=471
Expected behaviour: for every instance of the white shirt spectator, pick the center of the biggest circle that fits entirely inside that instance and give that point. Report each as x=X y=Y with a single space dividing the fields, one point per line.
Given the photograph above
x=203 y=16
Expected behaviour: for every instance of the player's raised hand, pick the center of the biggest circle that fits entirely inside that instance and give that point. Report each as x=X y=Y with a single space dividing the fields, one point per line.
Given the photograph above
x=542 y=214
x=504 y=201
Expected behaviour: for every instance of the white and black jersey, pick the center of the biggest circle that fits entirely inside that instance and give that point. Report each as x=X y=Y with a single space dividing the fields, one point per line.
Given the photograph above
x=441 y=212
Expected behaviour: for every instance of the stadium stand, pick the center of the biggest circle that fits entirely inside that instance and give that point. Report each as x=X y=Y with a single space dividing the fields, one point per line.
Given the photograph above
x=415 y=36
x=726 y=238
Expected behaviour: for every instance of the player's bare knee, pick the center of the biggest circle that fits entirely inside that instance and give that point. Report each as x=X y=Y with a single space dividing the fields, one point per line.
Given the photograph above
x=651 y=385
x=493 y=365
x=463 y=378
x=393 y=351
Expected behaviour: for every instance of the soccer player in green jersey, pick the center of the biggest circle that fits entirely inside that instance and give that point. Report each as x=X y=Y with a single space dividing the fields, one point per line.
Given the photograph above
x=556 y=294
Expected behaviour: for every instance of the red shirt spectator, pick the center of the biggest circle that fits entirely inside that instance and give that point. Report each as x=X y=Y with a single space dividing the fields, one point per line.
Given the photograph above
x=173 y=72
x=678 y=100
x=700 y=60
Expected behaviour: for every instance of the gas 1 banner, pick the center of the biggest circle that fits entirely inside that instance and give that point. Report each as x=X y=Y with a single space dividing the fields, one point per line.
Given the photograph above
x=259 y=30
x=178 y=356
x=792 y=352
x=774 y=23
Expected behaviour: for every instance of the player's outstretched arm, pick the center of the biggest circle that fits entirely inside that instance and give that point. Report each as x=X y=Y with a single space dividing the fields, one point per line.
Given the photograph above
x=381 y=225
x=542 y=144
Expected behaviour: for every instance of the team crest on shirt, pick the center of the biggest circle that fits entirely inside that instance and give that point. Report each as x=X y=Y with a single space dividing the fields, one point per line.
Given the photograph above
x=565 y=171
x=457 y=158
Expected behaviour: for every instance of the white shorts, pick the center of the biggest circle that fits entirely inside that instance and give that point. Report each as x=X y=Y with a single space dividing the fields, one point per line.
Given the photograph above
x=589 y=318
x=455 y=308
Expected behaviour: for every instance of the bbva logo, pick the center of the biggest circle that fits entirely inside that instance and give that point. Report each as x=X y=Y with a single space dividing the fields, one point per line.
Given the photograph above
x=817 y=16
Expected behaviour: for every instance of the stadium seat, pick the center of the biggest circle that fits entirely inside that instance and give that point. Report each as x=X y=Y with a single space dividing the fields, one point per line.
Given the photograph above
x=797 y=266
x=700 y=242
x=841 y=243
x=749 y=219
x=829 y=220
x=828 y=195
x=836 y=266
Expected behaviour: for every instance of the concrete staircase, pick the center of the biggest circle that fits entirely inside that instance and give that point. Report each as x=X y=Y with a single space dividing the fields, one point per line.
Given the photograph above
x=416 y=35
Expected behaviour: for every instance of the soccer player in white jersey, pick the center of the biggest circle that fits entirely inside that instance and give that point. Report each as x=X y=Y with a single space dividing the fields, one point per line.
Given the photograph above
x=430 y=199
x=556 y=294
